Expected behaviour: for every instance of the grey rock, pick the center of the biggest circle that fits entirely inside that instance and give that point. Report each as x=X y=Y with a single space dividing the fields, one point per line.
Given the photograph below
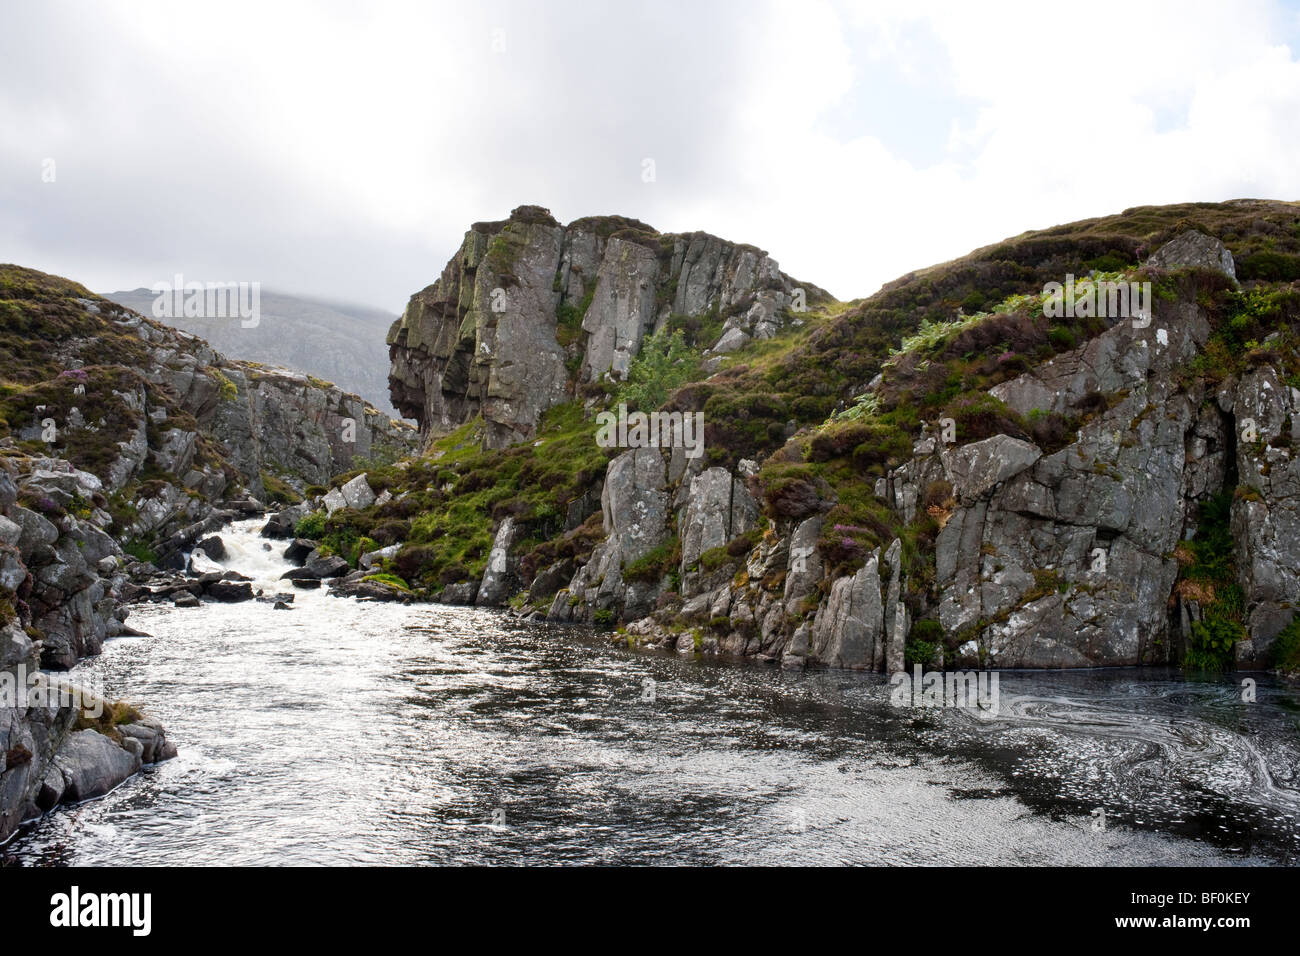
x=299 y=550
x=358 y=494
x=462 y=592
x=498 y=576
x=849 y=628
x=92 y=765
x=1192 y=248
x=229 y=592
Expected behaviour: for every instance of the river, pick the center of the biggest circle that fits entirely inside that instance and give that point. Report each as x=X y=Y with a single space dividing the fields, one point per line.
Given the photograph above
x=343 y=732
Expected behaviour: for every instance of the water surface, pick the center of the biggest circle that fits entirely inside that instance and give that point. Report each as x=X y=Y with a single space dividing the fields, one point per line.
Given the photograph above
x=344 y=732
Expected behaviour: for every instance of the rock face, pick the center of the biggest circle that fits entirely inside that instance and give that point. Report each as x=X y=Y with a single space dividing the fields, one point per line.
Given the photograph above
x=167 y=428
x=304 y=430
x=1194 y=249
x=1266 y=523
x=634 y=509
x=44 y=761
x=343 y=344
x=849 y=629
x=1067 y=559
x=525 y=300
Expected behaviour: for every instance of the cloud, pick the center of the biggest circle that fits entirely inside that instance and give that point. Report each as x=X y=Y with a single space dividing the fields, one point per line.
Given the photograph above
x=342 y=150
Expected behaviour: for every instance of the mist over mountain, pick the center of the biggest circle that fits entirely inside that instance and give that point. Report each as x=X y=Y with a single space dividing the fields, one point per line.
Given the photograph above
x=338 y=342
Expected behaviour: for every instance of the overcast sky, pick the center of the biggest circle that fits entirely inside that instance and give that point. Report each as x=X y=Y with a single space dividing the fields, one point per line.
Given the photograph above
x=342 y=149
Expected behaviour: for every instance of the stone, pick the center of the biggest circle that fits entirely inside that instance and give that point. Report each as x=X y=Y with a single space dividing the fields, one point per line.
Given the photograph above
x=229 y=592
x=976 y=468
x=299 y=550
x=462 y=592
x=372 y=558
x=498 y=576
x=1193 y=249
x=213 y=547
x=357 y=493
x=92 y=765
x=318 y=568
x=848 y=630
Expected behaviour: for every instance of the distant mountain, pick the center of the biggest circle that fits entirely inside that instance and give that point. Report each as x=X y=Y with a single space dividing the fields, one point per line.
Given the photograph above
x=343 y=344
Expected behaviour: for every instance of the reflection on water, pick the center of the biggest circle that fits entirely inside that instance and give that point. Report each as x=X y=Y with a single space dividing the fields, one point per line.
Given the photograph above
x=341 y=732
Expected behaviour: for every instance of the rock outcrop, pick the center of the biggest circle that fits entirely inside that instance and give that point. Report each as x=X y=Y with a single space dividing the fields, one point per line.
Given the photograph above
x=120 y=440
x=61 y=582
x=1062 y=559
x=528 y=311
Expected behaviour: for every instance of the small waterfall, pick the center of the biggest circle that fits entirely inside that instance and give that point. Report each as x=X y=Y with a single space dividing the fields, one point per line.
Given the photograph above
x=261 y=559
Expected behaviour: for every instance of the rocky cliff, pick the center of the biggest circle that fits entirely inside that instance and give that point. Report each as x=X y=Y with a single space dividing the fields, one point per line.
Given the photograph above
x=1025 y=548
x=954 y=471
x=528 y=312
x=122 y=442
x=339 y=343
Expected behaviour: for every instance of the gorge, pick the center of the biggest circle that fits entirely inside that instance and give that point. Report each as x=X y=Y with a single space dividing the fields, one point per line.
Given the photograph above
x=945 y=475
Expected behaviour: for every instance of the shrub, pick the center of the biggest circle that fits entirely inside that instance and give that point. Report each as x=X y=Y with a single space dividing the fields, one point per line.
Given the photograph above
x=411 y=561
x=654 y=564
x=791 y=497
x=311 y=526
x=664 y=363
x=1286 y=648
x=923 y=642
x=981 y=416
x=391 y=531
x=453 y=573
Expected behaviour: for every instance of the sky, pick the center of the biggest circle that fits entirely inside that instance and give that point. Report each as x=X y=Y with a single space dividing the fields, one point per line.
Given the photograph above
x=341 y=150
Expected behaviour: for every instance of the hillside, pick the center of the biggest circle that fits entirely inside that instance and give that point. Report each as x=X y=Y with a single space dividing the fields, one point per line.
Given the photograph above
x=123 y=443
x=338 y=343
x=1108 y=494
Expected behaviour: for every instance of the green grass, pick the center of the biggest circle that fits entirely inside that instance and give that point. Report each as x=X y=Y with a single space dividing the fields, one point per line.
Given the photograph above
x=391 y=580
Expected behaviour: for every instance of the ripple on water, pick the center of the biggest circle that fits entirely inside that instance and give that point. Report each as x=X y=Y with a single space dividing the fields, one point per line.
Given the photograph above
x=342 y=732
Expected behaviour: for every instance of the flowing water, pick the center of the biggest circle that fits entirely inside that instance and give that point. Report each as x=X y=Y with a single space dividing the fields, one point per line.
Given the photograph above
x=346 y=732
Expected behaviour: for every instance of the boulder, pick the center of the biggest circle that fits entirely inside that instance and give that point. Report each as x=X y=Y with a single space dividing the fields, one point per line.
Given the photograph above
x=498 y=576
x=318 y=568
x=1193 y=249
x=372 y=558
x=213 y=547
x=334 y=500
x=550 y=580
x=92 y=765
x=229 y=592
x=463 y=592
x=299 y=550
x=357 y=493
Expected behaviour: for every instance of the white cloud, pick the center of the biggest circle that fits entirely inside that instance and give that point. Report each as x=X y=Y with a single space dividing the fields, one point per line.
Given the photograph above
x=343 y=149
